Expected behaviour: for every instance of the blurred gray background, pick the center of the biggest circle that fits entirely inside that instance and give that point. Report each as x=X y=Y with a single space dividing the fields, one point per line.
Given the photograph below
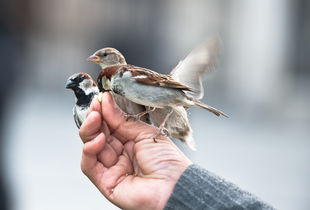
x=262 y=82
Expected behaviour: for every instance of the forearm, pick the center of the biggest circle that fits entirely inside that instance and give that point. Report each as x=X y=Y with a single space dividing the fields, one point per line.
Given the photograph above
x=198 y=188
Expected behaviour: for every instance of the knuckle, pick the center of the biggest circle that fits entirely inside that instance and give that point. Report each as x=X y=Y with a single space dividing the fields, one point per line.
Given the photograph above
x=84 y=168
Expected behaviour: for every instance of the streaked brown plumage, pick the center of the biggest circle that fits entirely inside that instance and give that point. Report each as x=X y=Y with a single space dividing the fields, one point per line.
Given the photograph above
x=191 y=72
x=155 y=89
x=110 y=57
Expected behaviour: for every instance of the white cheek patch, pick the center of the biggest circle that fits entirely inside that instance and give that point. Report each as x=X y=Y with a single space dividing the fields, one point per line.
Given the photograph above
x=92 y=89
x=88 y=88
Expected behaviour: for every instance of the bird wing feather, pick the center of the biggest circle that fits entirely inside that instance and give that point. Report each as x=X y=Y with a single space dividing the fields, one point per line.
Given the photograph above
x=193 y=70
x=149 y=77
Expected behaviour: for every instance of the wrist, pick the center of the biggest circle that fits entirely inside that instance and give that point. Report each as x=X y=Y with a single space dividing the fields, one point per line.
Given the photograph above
x=169 y=184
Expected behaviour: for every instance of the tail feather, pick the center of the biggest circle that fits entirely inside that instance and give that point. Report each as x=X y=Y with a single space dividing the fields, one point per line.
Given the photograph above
x=185 y=135
x=190 y=142
x=210 y=108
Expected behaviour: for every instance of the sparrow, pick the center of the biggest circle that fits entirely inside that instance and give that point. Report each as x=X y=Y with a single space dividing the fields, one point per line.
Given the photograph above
x=192 y=71
x=149 y=88
x=85 y=89
x=107 y=57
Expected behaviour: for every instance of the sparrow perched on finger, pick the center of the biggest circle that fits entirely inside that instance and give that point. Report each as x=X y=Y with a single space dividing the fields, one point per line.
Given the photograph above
x=191 y=71
x=85 y=89
x=149 y=88
x=108 y=57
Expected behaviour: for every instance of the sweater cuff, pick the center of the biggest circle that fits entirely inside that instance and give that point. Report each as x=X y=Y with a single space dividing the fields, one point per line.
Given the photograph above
x=198 y=188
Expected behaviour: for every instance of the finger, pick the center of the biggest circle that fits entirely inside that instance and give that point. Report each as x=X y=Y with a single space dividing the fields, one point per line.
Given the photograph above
x=123 y=130
x=91 y=126
x=95 y=146
x=111 y=113
x=112 y=140
x=108 y=156
x=117 y=172
x=134 y=131
x=116 y=145
x=129 y=149
x=95 y=105
x=89 y=164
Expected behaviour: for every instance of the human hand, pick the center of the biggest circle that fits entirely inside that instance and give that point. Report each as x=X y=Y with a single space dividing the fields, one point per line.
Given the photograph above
x=124 y=163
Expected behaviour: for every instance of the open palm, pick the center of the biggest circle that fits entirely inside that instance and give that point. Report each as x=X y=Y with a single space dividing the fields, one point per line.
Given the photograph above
x=122 y=160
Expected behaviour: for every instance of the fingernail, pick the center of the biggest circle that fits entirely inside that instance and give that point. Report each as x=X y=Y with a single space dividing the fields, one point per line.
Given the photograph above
x=99 y=97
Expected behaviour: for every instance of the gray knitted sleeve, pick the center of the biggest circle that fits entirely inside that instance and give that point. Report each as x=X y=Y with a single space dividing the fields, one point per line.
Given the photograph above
x=198 y=188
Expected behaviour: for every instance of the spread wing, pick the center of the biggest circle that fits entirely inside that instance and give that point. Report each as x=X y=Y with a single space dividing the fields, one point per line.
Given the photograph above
x=149 y=77
x=193 y=70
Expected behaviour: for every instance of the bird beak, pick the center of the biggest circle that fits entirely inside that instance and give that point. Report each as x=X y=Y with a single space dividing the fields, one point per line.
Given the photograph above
x=93 y=58
x=70 y=84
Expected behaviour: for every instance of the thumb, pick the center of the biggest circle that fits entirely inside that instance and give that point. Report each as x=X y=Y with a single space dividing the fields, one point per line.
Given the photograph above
x=118 y=123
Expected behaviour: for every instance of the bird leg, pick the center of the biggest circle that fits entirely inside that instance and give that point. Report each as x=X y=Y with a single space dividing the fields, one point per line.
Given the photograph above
x=162 y=130
x=139 y=115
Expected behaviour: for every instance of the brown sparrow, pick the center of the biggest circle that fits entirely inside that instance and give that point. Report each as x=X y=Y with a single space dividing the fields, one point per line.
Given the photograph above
x=191 y=71
x=107 y=57
x=192 y=68
x=85 y=89
x=149 y=88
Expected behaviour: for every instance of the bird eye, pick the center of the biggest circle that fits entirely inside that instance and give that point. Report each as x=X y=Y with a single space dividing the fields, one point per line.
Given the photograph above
x=104 y=54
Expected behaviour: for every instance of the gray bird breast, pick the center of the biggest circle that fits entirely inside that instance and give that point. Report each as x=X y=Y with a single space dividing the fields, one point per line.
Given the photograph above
x=80 y=114
x=146 y=95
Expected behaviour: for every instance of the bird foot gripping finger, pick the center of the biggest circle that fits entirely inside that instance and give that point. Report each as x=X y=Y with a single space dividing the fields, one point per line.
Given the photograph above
x=162 y=132
x=132 y=116
x=139 y=115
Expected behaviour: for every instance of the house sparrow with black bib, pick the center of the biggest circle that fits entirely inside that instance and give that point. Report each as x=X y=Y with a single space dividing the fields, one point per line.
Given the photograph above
x=149 y=88
x=85 y=89
x=107 y=57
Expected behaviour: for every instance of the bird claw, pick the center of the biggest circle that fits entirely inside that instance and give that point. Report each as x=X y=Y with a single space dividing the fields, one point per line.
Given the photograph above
x=132 y=116
x=139 y=115
x=162 y=132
